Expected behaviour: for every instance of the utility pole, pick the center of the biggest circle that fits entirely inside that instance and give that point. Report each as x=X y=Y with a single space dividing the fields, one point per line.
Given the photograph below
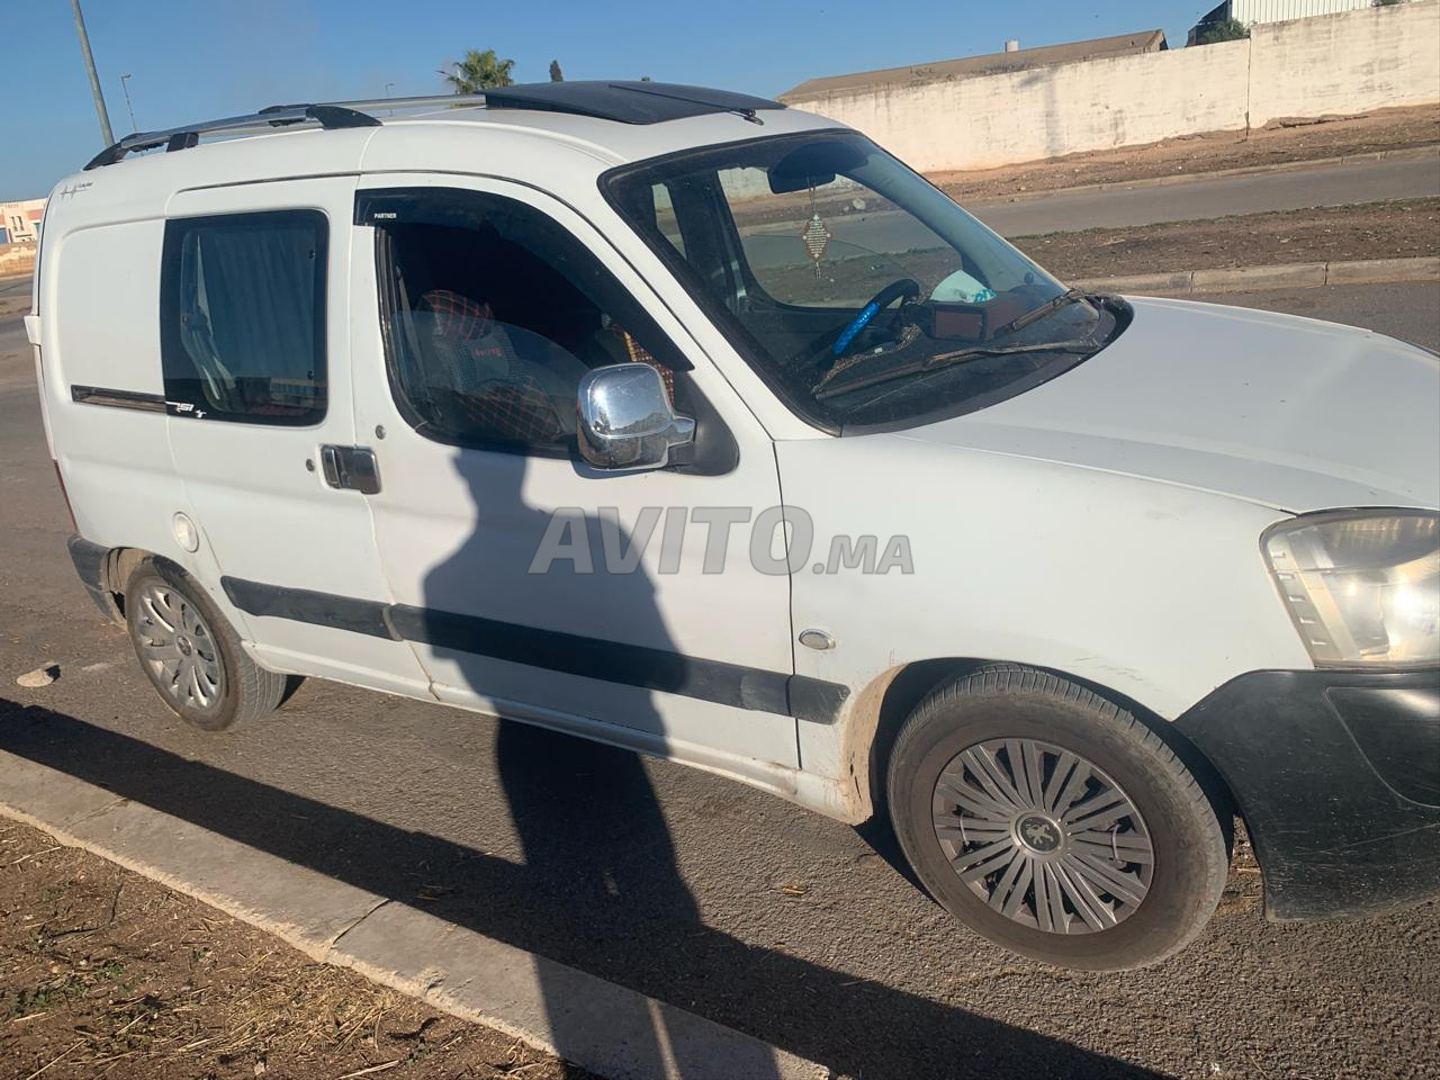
x=105 y=132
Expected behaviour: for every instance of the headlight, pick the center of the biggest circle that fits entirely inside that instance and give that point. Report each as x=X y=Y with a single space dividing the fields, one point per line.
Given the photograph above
x=1363 y=586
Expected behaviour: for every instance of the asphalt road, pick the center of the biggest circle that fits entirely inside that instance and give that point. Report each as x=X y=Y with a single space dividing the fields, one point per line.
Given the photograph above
x=684 y=886
x=1201 y=199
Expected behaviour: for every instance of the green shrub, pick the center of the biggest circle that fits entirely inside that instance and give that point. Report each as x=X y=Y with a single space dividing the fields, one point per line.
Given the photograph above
x=1222 y=30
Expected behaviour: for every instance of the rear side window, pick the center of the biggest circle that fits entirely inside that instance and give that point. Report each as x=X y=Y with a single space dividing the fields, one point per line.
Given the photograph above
x=242 y=312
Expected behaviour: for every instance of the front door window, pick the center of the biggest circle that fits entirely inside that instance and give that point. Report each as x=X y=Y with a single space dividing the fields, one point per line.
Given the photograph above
x=495 y=314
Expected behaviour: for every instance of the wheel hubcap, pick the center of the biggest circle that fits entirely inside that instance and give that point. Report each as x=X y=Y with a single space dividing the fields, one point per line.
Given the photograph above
x=1043 y=836
x=177 y=646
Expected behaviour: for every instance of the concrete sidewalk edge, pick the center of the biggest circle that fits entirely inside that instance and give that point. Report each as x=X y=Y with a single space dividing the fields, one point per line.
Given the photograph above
x=603 y=1027
x=1280 y=276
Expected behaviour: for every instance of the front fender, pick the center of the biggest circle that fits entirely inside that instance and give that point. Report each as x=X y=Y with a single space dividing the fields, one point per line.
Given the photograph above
x=1156 y=591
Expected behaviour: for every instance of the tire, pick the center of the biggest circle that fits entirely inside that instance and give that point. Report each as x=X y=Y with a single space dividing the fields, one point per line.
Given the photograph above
x=992 y=826
x=191 y=655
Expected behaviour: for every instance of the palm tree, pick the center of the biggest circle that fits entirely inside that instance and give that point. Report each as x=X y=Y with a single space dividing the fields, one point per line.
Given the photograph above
x=478 y=71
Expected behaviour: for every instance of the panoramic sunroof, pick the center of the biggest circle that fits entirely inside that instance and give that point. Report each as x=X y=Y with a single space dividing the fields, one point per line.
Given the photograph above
x=627 y=102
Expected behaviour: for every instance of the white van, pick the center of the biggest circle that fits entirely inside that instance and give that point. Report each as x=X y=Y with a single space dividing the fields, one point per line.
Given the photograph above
x=698 y=425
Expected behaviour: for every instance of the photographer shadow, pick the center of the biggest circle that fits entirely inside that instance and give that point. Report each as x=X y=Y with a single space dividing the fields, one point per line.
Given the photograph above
x=592 y=834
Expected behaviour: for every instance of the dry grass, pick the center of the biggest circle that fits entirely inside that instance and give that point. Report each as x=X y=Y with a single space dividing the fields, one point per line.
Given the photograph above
x=1408 y=228
x=106 y=974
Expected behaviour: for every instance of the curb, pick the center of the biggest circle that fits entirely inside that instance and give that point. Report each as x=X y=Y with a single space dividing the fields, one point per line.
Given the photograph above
x=1416 y=153
x=1282 y=276
x=601 y=1026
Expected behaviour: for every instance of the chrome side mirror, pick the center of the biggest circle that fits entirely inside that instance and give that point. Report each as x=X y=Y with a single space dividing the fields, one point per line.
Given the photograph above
x=626 y=420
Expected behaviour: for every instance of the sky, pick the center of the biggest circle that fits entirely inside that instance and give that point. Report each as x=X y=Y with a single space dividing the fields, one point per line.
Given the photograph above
x=194 y=59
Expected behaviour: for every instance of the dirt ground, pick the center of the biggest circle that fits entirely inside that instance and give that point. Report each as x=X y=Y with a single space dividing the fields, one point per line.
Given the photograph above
x=1384 y=230
x=104 y=973
x=1387 y=129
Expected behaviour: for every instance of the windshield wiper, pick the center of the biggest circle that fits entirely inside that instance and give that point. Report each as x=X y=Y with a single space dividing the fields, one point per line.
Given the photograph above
x=1069 y=296
x=940 y=361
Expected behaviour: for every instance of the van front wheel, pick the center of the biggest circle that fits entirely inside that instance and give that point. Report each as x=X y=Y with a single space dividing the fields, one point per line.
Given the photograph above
x=1055 y=823
x=191 y=654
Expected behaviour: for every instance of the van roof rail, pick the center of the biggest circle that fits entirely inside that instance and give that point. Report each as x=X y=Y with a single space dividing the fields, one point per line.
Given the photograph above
x=329 y=115
x=629 y=102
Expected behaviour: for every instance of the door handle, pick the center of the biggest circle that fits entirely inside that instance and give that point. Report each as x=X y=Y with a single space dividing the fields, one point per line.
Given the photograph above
x=350 y=467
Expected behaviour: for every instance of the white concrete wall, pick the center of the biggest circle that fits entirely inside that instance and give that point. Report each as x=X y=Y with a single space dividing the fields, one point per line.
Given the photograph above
x=1045 y=112
x=1349 y=62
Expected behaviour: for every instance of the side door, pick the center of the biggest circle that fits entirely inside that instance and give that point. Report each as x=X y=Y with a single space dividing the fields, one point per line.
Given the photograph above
x=255 y=346
x=531 y=584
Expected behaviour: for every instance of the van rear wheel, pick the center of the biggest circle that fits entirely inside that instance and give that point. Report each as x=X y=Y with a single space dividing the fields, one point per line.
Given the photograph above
x=1054 y=823
x=190 y=653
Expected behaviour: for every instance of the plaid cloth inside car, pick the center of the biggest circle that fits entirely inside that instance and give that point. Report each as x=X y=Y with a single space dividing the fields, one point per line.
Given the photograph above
x=481 y=371
x=517 y=410
x=456 y=316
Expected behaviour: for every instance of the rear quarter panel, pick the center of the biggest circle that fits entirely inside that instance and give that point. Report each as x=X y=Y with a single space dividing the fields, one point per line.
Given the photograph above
x=98 y=300
x=99 y=303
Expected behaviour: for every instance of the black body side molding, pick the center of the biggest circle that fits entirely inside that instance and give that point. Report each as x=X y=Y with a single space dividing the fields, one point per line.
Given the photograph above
x=756 y=689
x=304 y=605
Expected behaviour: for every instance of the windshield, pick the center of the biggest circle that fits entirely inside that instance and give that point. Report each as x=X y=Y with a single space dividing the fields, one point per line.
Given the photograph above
x=861 y=293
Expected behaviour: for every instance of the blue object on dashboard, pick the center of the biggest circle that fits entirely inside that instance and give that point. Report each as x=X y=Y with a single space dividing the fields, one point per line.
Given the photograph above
x=857 y=324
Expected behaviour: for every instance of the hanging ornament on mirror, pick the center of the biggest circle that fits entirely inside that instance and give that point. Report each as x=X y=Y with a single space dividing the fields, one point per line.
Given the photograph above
x=815 y=236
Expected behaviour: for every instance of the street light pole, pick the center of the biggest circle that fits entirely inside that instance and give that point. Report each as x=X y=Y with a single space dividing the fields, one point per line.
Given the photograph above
x=129 y=107
x=105 y=132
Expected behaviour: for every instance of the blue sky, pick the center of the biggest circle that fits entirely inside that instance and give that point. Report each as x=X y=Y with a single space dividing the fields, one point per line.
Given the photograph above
x=192 y=59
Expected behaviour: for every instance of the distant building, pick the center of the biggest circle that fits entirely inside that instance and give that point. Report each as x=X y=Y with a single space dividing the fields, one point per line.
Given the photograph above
x=20 y=221
x=1013 y=58
x=1251 y=12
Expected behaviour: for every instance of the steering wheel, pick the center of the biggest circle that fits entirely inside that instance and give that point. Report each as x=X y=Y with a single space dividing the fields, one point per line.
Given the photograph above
x=906 y=288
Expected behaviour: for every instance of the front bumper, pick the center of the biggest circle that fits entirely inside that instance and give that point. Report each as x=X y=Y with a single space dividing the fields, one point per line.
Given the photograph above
x=1337 y=774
